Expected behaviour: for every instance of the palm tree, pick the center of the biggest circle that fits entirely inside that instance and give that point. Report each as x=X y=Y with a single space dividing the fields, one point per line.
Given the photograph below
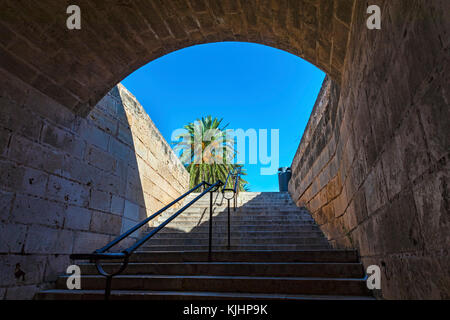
x=208 y=152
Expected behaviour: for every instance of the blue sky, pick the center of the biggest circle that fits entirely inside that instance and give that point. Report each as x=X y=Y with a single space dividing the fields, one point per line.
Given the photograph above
x=249 y=85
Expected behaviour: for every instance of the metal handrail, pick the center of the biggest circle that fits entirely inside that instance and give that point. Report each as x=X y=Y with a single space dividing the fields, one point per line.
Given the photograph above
x=236 y=172
x=101 y=254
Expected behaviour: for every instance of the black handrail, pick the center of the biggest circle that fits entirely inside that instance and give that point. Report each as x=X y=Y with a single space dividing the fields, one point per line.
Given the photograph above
x=236 y=172
x=101 y=254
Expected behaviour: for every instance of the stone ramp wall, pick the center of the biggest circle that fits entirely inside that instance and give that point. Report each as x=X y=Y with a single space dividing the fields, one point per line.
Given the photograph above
x=70 y=184
x=373 y=165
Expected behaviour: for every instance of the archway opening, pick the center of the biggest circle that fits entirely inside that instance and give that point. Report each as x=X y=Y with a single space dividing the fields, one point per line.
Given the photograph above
x=265 y=93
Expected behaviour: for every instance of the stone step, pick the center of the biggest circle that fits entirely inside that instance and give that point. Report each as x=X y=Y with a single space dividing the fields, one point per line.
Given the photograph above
x=330 y=256
x=241 y=212
x=241 y=284
x=277 y=252
x=279 y=218
x=275 y=247
x=233 y=215
x=238 y=235
x=244 y=202
x=255 y=207
x=238 y=241
x=263 y=269
x=180 y=295
x=241 y=203
x=223 y=223
x=205 y=220
x=235 y=218
x=204 y=228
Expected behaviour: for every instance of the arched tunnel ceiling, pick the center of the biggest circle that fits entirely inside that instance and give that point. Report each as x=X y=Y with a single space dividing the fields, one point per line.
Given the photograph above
x=78 y=67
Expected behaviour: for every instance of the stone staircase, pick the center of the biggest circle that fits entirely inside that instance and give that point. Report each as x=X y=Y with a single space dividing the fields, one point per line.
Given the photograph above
x=277 y=252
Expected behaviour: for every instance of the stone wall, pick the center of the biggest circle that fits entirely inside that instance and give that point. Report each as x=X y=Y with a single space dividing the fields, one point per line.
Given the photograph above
x=70 y=184
x=373 y=165
x=76 y=68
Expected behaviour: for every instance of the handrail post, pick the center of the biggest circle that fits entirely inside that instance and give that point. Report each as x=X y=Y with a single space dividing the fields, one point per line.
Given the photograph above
x=108 y=287
x=229 y=225
x=210 y=226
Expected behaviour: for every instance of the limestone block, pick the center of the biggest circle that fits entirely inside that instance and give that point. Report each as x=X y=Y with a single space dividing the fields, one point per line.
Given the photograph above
x=333 y=188
x=31 y=210
x=55 y=265
x=4 y=140
x=34 y=182
x=89 y=132
x=393 y=161
x=34 y=155
x=77 y=218
x=63 y=140
x=435 y=115
x=46 y=240
x=131 y=211
x=140 y=149
x=125 y=136
x=413 y=146
x=119 y=150
x=22 y=292
x=375 y=189
x=67 y=191
x=108 y=182
x=89 y=241
x=360 y=207
x=12 y=237
x=350 y=221
x=431 y=195
x=127 y=224
x=340 y=203
x=396 y=227
x=103 y=121
x=102 y=222
x=121 y=170
x=12 y=115
x=32 y=265
x=100 y=159
x=6 y=200
x=80 y=171
x=100 y=200
x=117 y=205
x=13 y=177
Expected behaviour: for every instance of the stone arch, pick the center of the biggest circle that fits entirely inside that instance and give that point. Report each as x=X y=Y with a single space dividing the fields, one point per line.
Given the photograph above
x=376 y=175
x=78 y=67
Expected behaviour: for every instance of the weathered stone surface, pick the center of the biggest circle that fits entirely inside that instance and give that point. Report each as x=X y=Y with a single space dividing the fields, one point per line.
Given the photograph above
x=63 y=186
x=85 y=241
x=100 y=200
x=21 y=292
x=375 y=190
x=67 y=191
x=12 y=237
x=46 y=240
x=391 y=134
x=107 y=223
x=117 y=205
x=122 y=38
x=77 y=218
x=6 y=200
x=32 y=210
x=431 y=197
x=131 y=210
